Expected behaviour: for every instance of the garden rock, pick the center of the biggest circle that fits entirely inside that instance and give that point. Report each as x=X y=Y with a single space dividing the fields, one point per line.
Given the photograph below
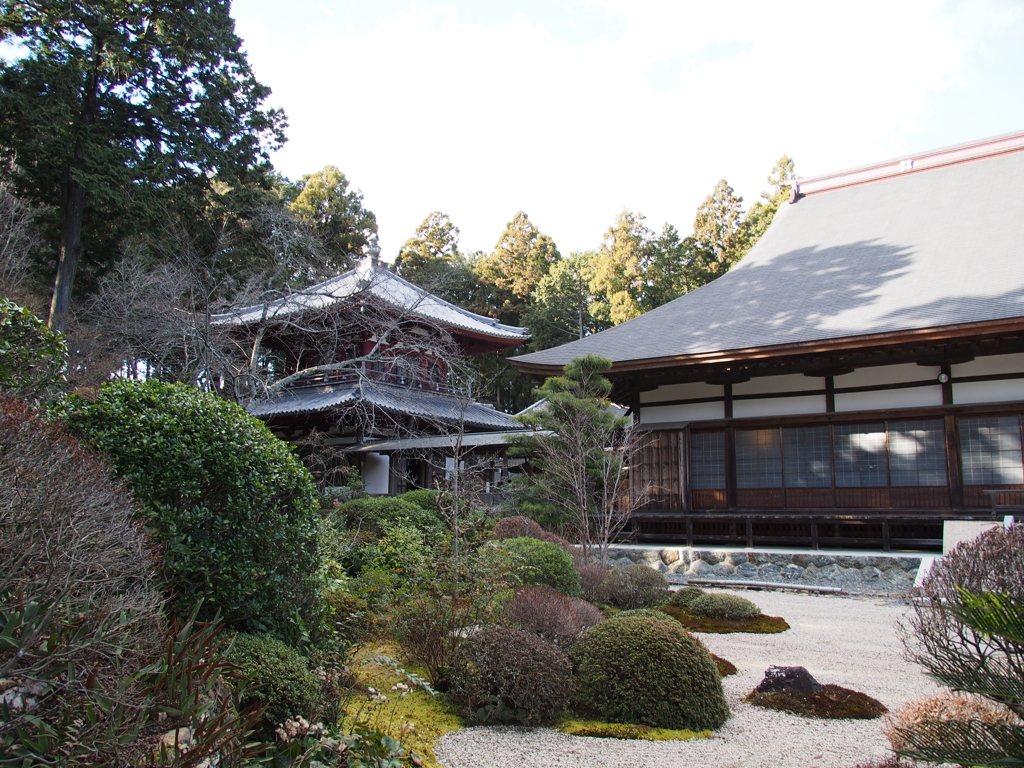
x=792 y=572
x=700 y=568
x=746 y=571
x=769 y=572
x=777 y=679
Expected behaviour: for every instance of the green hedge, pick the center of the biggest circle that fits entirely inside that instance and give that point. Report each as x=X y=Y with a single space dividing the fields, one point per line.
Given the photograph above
x=233 y=508
x=378 y=515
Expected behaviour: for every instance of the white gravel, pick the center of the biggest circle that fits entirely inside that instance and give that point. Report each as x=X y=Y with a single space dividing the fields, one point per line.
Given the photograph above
x=851 y=642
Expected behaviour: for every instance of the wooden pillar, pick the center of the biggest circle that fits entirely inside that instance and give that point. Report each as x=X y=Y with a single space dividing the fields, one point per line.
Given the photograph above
x=953 y=472
x=728 y=400
x=830 y=394
x=730 y=468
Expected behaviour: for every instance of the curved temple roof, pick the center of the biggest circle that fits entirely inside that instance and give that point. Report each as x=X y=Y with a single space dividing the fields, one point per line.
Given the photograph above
x=370 y=278
x=890 y=248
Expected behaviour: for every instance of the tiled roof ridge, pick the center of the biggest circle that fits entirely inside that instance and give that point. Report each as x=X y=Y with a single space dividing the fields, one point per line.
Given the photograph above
x=908 y=164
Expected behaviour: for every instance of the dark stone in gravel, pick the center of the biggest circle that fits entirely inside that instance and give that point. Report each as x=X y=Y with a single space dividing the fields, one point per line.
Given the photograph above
x=778 y=679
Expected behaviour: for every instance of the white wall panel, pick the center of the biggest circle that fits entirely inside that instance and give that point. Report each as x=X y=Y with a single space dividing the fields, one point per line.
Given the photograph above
x=887 y=374
x=915 y=397
x=766 y=385
x=376 y=472
x=669 y=413
x=988 y=391
x=985 y=366
x=682 y=392
x=778 y=406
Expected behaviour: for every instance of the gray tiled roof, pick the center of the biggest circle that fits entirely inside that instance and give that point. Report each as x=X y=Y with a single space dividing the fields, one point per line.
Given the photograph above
x=930 y=248
x=432 y=406
x=377 y=281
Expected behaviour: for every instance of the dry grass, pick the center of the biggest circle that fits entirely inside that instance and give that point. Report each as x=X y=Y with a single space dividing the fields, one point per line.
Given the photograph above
x=832 y=703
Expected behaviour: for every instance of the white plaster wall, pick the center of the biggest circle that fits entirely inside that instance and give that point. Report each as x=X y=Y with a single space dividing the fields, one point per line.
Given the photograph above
x=887 y=374
x=987 y=391
x=770 y=384
x=376 y=472
x=892 y=398
x=669 y=413
x=689 y=391
x=778 y=406
x=985 y=366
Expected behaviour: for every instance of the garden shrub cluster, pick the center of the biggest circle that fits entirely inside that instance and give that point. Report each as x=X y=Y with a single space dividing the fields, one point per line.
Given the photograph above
x=232 y=508
x=591 y=577
x=542 y=563
x=633 y=586
x=32 y=357
x=649 y=672
x=945 y=707
x=506 y=676
x=683 y=598
x=517 y=527
x=377 y=515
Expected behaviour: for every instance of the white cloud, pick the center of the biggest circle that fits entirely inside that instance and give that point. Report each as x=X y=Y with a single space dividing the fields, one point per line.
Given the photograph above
x=425 y=112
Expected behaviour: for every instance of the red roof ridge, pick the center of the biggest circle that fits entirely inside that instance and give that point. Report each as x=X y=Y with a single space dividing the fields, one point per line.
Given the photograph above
x=914 y=163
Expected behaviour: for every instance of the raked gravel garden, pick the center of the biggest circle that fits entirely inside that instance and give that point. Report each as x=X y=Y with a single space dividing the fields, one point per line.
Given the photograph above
x=848 y=641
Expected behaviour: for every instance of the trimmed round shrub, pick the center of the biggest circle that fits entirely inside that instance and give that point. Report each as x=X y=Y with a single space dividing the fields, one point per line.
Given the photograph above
x=32 y=357
x=423 y=497
x=727 y=607
x=915 y=718
x=279 y=680
x=348 y=614
x=507 y=676
x=543 y=563
x=517 y=527
x=551 y=615
x=647 y=672
x=379 y=515
x=591 y=577
x=684 y=597
x=633 y=586
x=232 y=506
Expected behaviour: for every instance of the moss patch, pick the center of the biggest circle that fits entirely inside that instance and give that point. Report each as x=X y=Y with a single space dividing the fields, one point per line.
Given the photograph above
x=725 y=667
x=416 y=719
x=627 y=731
x=832 y=703
x=759 y=625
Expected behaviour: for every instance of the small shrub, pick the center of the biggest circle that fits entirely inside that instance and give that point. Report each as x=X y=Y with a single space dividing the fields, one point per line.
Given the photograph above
x=832 y=703
x=637 y=670
x=233 y=508
x=506 y=676
x=517 y=527
x=542 y=563
x=728 y=607
x=587 y=614
x=558 y=541
x=633 y=586
x=591 y=577
x=347 y=614
x=551 y=615
x=947 y=706
x=682 y=598
x=425 y=498
x=280 y=680
x=380 y=514
x=400 y=552
x=32 y=357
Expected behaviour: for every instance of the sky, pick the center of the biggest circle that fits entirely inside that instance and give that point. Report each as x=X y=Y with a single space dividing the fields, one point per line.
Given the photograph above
x=575 y=110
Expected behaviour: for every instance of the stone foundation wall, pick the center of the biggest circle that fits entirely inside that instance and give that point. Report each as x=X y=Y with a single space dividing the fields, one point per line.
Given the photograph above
x=859 y=573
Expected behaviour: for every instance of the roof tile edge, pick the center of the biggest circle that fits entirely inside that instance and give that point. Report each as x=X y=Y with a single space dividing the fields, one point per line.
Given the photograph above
x=919 y=161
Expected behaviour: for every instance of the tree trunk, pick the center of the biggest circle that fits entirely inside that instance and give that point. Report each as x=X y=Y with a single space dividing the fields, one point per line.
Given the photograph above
x=70 y=251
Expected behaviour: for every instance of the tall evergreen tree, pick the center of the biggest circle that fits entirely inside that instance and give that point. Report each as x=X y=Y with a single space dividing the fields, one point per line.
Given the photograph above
x=323 y=201
x=620 y=271
x=718 y=231
x=761 y=213
x=116 y=107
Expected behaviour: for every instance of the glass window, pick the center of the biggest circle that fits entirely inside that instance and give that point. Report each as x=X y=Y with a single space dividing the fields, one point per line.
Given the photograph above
x=758 y=458
x=990 y=450
x=860 y=456
x=707 y=460
x=807 y=454
x=917 y=453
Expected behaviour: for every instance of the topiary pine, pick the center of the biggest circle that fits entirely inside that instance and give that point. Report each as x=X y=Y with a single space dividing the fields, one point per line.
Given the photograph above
x=378 y=515
x=231 y=505
x=542 y=563
x=682 y=598
x=637 y=670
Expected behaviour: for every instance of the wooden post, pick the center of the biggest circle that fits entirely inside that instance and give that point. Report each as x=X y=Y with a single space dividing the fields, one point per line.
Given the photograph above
x=689 y=531
x=750 y=533
x=953 y=470
x=814 y=533
x=730 y=468
x=886 y=545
